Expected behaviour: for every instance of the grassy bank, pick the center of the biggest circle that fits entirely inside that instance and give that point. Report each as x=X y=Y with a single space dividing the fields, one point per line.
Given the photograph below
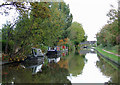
x=109 y=62
x=111 y=56
x=113 y=49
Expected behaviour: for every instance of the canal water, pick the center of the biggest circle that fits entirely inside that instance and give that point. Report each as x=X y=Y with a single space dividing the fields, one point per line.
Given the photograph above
x=82 y=67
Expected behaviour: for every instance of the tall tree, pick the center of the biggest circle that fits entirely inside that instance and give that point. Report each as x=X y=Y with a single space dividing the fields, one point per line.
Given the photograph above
x=44 y=24
x=109 y=34
x=76 y=33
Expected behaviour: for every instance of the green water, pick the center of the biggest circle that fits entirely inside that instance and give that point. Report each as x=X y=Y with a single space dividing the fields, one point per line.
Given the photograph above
x=66 y=69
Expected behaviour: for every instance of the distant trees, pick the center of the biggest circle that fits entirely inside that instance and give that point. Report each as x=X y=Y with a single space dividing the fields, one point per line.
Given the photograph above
x=110 y=33
x=76 y=33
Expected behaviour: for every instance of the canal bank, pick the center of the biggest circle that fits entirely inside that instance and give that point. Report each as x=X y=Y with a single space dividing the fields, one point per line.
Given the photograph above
x=107 y=58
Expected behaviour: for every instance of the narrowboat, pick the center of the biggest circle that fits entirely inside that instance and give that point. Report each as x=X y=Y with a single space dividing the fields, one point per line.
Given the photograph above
x=53 y=50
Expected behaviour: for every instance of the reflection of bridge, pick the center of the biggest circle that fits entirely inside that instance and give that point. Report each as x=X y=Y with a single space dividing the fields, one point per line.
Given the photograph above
x=87 y=51
x=88 y=42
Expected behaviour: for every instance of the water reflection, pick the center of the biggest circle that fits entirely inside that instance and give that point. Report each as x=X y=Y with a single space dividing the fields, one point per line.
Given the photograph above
x=35 y=71
x=16 y=73
x=83 y=67
x=55 y=60
x=35 y=64
x=76 y=64
x=90 y=73
x=85 y=51
x=108 y=70
x=52 y=73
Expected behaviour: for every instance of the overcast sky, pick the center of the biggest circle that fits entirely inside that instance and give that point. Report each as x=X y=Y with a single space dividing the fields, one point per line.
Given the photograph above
x=91 y=14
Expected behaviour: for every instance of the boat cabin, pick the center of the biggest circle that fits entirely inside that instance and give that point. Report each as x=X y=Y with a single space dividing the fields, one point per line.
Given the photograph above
x=37 y=52
x=53 y=50
x=57 y=48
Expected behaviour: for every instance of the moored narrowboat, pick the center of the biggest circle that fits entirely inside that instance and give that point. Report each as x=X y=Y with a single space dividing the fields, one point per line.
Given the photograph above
x=53 y=50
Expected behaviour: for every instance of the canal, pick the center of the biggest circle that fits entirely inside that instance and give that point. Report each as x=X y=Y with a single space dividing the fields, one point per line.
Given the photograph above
x=83 y=67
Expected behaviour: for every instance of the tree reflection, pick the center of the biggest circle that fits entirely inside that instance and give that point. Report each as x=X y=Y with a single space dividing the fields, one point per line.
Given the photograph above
x=15 y=73
x=108 y=70
x=76 y=64
x=52 y=73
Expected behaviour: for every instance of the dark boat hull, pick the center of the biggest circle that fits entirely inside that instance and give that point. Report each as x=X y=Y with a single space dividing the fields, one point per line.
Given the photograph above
x=52 y=52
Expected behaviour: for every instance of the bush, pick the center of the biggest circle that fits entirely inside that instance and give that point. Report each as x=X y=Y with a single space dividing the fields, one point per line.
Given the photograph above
x=43 y=48
x=94 y=45
x=10 y=46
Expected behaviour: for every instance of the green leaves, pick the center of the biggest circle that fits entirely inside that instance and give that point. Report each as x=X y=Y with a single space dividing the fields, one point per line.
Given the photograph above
x=42 y=25
x=109 y=33
x=76 y=33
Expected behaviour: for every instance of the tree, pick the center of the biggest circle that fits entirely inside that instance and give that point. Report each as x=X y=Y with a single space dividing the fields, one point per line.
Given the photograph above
x=30 y=35
x=55 y=27
x=8 y=28
x=76 y=33
x=26 y=34
x=42 y=25
x=109 y=34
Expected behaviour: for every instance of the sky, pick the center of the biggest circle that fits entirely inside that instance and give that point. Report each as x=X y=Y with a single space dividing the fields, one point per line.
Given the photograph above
x=91 y=14
x=12 y=15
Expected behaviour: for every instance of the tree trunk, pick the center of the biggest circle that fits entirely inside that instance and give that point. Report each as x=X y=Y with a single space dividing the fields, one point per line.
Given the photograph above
x=9 y=35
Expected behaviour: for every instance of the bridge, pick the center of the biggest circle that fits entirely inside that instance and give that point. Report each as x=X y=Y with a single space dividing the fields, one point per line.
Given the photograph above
x=88 y=42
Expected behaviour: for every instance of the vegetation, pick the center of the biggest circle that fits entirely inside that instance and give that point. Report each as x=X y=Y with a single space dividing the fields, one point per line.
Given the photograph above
x=39 y=24
x=113 y=49
x=109 y=35
x=42 y=25
x=108 y=69
x=76 y=34
x=111 y=56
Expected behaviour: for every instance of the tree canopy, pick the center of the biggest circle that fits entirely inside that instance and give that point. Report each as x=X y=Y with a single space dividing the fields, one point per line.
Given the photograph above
x=44 y=24
x=109 y=35
x=76 y=33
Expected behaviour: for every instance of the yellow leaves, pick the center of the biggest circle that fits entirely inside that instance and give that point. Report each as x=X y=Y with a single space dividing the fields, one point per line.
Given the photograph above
x=35 y=15
x=10 y=58
x=49 y=15
x=23 y=59
x=32 y=3
x=18 y=60
x=44 y=8
x=14 y=59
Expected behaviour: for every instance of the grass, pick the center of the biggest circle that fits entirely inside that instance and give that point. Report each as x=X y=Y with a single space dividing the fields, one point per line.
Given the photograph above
x=111 y=56
x=110 y=49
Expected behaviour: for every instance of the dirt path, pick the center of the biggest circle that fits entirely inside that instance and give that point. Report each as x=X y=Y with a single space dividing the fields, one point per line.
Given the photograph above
x=111 y=52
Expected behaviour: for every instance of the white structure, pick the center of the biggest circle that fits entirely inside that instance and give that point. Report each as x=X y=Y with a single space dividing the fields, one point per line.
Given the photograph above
x=37 y=52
